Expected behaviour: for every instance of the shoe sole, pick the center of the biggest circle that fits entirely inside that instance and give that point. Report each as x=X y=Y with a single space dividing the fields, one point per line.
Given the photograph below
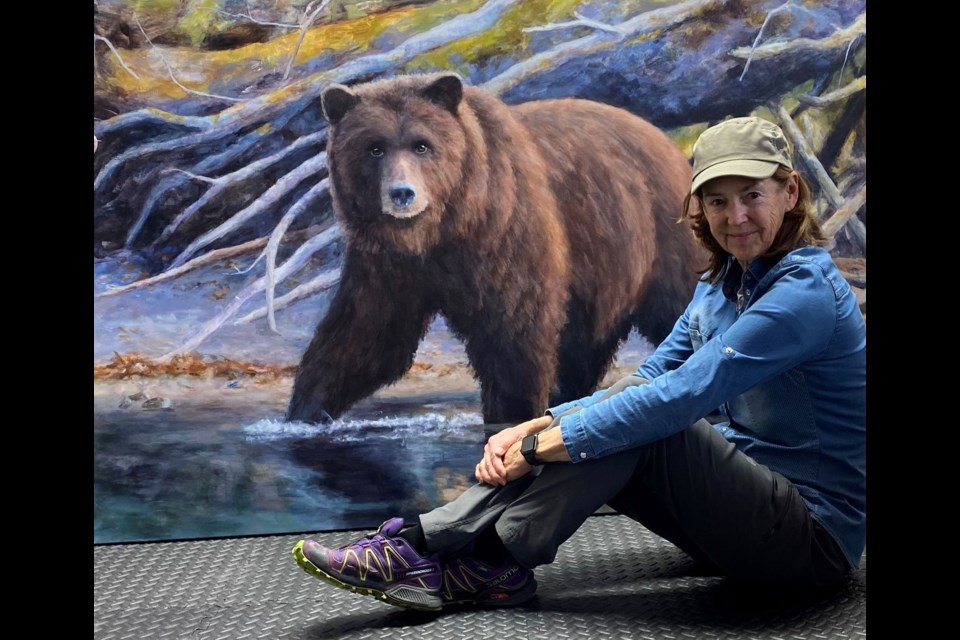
x=379 y=594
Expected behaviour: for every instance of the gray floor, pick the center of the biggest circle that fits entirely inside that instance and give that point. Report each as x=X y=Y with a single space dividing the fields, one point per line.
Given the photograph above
x=613 y=579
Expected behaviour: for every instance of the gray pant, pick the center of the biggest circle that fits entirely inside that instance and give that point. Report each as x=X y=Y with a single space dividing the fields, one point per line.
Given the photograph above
x=693 y=488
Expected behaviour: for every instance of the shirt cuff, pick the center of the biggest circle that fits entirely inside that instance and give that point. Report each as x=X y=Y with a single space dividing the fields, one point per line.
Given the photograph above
x=575 y=438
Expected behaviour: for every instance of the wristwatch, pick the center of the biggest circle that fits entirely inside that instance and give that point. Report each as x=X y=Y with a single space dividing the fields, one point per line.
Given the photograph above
x=528 y=449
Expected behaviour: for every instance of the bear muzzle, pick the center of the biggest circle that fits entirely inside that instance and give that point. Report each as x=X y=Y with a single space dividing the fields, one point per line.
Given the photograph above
x=402 y=195
x=400 y=201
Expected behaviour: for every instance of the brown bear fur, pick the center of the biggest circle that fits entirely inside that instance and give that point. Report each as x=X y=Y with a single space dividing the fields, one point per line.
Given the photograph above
x=543 y=232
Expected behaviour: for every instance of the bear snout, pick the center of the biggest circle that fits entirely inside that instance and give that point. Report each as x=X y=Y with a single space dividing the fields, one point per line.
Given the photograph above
x=402 y=195
x=401 y=200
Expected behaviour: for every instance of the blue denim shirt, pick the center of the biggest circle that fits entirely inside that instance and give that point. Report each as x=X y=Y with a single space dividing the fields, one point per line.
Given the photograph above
x=787 y=370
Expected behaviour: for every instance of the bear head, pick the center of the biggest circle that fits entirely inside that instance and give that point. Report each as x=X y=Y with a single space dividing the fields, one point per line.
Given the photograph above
x=397 y=151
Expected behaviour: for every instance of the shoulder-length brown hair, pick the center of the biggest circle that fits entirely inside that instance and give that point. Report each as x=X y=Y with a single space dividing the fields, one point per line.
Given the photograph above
x=800 y=226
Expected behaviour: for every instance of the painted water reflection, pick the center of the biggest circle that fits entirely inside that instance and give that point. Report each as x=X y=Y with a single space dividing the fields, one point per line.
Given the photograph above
x=211 y=457
x=231 y=470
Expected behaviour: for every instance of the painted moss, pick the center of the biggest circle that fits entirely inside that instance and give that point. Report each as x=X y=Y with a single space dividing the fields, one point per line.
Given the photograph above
x=507 y=37
x=198 y=19
x=198 y=69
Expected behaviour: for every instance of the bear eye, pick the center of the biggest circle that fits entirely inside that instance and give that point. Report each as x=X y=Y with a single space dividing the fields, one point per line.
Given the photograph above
x=420 y=147
x=376 y=150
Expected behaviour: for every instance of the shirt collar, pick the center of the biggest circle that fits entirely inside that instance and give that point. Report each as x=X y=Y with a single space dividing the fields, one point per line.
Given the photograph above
x=734 y=275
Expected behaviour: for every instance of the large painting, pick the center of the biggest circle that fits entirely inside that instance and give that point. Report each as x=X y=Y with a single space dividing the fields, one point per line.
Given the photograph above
x=300 y=326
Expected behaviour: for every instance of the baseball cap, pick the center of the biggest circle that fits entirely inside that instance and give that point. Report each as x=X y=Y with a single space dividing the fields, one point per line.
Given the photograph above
x=750 y=147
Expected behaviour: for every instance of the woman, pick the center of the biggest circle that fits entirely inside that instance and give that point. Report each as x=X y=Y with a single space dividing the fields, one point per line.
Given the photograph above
x=774 y=492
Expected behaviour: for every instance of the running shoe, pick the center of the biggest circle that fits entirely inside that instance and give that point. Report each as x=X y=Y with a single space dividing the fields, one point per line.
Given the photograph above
x=381 y=565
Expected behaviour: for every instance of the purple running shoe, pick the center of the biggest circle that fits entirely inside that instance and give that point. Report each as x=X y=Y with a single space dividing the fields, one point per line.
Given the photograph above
x=467 y=581
x=379 y=565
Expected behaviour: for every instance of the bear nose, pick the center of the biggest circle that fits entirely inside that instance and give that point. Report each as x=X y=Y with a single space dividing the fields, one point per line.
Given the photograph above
x=402 y=195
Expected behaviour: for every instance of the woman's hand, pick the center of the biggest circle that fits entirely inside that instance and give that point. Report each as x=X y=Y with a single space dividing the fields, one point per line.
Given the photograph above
x=515 y=465
x=491 y=469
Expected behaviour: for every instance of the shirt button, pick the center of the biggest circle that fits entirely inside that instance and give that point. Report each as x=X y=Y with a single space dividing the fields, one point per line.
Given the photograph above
x=747 y=292
x=728 y=350
x=583 y=455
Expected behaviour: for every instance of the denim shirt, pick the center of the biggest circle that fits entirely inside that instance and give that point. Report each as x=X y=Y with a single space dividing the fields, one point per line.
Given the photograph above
x=787 y=370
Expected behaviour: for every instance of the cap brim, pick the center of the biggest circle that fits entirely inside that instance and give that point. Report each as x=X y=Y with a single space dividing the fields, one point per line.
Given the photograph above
x=757 y=169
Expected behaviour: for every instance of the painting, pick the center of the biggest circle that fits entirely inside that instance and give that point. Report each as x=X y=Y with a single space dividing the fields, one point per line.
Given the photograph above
x=266 y=361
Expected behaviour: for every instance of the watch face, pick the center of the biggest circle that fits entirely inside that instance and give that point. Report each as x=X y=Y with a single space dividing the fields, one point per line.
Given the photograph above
x=528 y=449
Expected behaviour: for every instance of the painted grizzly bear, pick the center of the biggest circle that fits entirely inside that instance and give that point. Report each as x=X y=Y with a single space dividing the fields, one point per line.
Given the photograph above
x=542 y=232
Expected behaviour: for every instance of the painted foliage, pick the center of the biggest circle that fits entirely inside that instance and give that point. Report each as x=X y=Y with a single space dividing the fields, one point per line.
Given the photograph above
x=219 y=250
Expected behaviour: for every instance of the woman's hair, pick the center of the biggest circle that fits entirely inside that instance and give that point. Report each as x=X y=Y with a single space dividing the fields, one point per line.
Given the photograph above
x=800 y=226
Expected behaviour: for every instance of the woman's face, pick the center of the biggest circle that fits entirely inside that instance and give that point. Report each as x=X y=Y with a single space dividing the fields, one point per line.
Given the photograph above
x=745 y=214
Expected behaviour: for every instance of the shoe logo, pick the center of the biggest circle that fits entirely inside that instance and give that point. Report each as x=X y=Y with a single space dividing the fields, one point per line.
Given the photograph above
x=372 y=563
x=463 y=578
x=506 y=576
x=459 y=579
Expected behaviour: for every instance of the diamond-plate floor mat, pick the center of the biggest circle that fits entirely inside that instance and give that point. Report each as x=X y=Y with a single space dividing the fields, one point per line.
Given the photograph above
x=613 y=579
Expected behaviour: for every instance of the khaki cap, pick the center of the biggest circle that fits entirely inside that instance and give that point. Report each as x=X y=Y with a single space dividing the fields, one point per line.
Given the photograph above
x=749 y=147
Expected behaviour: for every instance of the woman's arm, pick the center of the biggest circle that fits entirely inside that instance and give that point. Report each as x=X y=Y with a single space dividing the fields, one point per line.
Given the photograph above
x=789 y=323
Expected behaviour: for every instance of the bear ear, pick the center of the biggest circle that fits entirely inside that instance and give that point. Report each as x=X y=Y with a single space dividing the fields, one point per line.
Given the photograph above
x=446 y=91
x=336 y=101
